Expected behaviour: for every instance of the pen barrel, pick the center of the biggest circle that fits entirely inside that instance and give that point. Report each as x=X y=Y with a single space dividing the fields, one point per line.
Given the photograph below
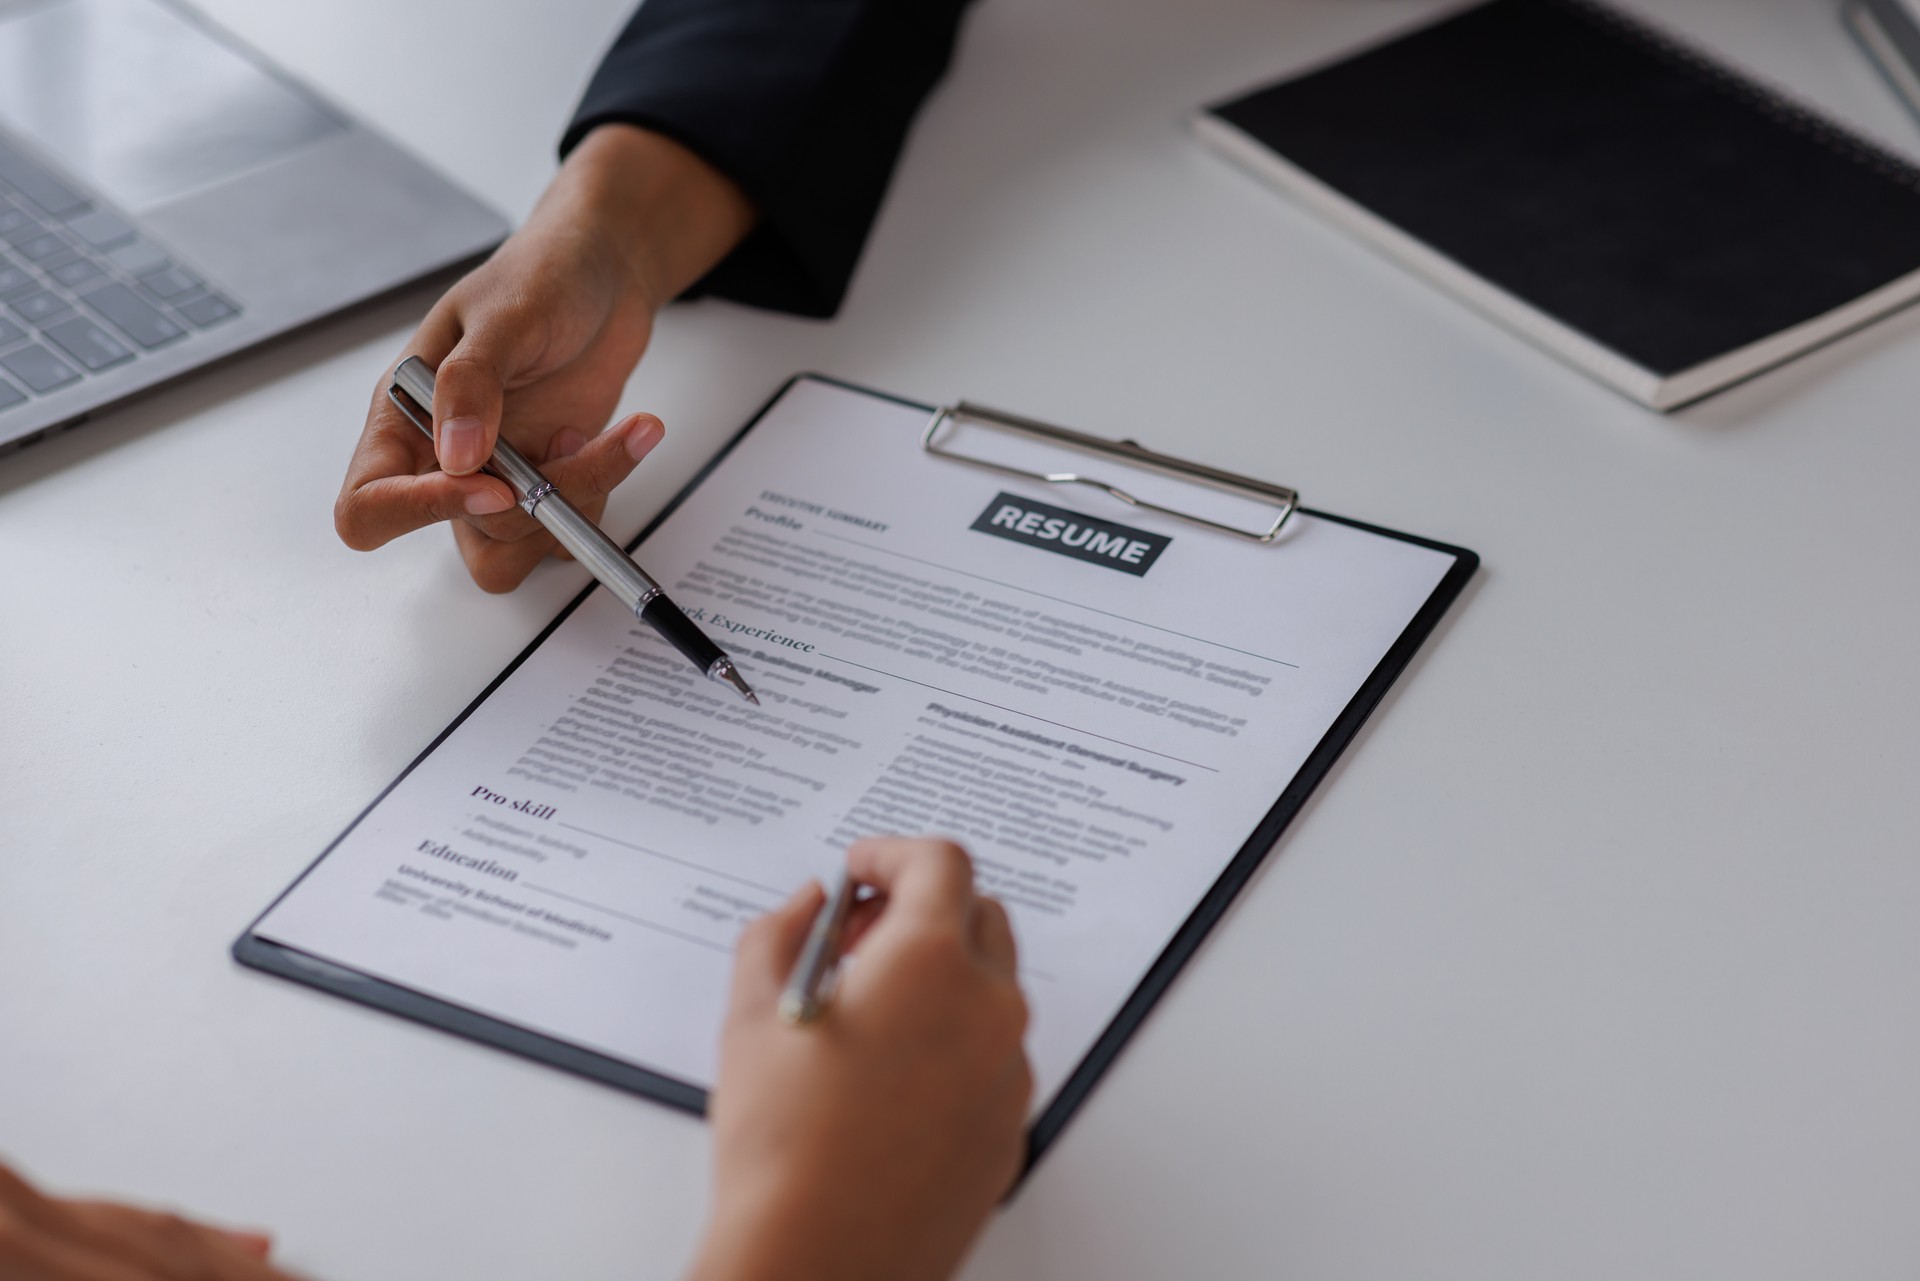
x=680 y=632
x=605 y=559
x=602 y=557
x=609 y=563
x=510 y=465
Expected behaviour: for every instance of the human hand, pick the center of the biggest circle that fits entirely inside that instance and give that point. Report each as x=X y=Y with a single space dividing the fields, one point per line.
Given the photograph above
x=45 y=1238
x=874 y=1142
x=537 y=345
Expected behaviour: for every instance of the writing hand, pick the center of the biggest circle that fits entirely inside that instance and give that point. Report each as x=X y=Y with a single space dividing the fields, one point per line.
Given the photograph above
x=537 y=344
x=874 y=1142
x=45 y=1238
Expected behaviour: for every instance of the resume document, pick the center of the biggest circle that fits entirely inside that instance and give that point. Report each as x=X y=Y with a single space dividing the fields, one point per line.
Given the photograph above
x=1100 y=704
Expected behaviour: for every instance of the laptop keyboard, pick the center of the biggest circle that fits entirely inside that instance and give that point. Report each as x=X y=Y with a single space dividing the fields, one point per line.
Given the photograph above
x=82 y=290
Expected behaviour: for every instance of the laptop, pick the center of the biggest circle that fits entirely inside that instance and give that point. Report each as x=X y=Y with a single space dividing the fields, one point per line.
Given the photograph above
x=167 y=199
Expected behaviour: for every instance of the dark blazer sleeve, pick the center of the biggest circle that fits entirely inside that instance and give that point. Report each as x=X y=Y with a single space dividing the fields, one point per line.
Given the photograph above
x=804 y=103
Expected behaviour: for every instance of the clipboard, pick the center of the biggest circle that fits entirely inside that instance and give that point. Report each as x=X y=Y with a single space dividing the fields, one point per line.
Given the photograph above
x=1280 y=505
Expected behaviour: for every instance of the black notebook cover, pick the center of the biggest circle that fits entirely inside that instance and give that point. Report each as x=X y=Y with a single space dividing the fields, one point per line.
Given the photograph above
x=1618 y=183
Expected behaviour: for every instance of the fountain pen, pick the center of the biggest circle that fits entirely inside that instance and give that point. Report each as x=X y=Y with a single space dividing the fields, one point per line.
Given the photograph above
x=631 y=585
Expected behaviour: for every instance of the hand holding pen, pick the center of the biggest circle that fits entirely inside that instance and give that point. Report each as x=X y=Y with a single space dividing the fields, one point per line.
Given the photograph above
x=413 y=394
x=535 y=347
x=870 y=1143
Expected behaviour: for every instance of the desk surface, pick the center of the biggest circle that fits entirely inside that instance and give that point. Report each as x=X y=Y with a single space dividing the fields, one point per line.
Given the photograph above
x=1594 y=958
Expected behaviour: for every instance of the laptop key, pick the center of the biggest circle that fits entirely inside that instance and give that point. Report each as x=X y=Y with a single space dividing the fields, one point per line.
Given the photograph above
x=170 y=282
x=10 y=333
x=87 y=343
x=10 y=396
x=138 y=258
x=12 y=220
x=205 y=309
x=37 y=185
x=40 y=248
x=76 y=273
x=39 y=369
x=132 y=315
x=13 y=280
x=53 y=262
x=100 y=229
x=39 y=305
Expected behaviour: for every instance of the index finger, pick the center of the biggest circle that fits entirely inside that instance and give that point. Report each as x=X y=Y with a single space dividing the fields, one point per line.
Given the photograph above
x=391 y=445
x=923 y=877
x=201 y=1248
x=393 y=485
x=23 y=1200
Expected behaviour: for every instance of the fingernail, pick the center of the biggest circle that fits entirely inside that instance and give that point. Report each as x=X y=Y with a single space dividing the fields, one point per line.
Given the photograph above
x=487 y=502
x=258 y=1244
x=462 y=445
x=643 y=436
x=566 y=444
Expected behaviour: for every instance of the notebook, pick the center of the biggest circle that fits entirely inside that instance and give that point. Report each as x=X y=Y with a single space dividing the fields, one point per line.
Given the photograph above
x=1653 y=217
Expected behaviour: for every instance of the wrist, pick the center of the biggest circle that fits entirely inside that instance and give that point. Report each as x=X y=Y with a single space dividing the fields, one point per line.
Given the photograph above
x=762 y=1231
x=667 y=216
x=767 y=1230
x=755 y=1235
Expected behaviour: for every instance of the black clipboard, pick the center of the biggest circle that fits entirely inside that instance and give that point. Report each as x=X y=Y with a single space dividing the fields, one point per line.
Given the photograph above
x=381 y=994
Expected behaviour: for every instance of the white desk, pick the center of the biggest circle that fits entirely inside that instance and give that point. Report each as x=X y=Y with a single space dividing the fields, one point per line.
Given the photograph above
x=1595 y=958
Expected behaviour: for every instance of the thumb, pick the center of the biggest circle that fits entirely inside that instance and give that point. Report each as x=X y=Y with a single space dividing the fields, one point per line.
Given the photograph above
x=468 y=394
x=769 y=947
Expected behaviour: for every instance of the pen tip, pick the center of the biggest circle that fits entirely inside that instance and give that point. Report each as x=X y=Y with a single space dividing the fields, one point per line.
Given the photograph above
x=726 y=671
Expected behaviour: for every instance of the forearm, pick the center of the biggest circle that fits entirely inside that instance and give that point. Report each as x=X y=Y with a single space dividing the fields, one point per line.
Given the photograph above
x=804 y=105
x=668 y=214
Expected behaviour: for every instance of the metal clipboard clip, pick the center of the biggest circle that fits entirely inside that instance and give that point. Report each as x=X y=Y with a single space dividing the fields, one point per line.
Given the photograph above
x=1282 y=501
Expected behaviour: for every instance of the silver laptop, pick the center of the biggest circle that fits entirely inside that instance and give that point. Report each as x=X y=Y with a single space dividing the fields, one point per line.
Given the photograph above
x=167 y=199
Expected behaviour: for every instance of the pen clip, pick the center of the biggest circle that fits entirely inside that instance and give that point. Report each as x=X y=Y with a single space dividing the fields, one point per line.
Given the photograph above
x=405 y=404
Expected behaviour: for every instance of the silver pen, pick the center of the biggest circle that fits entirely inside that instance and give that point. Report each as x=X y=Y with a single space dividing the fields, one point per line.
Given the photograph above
x=801 y=1001
x=603 y=557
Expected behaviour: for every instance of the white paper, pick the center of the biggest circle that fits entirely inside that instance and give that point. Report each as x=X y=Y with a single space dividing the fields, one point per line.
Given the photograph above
x=579 y=855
